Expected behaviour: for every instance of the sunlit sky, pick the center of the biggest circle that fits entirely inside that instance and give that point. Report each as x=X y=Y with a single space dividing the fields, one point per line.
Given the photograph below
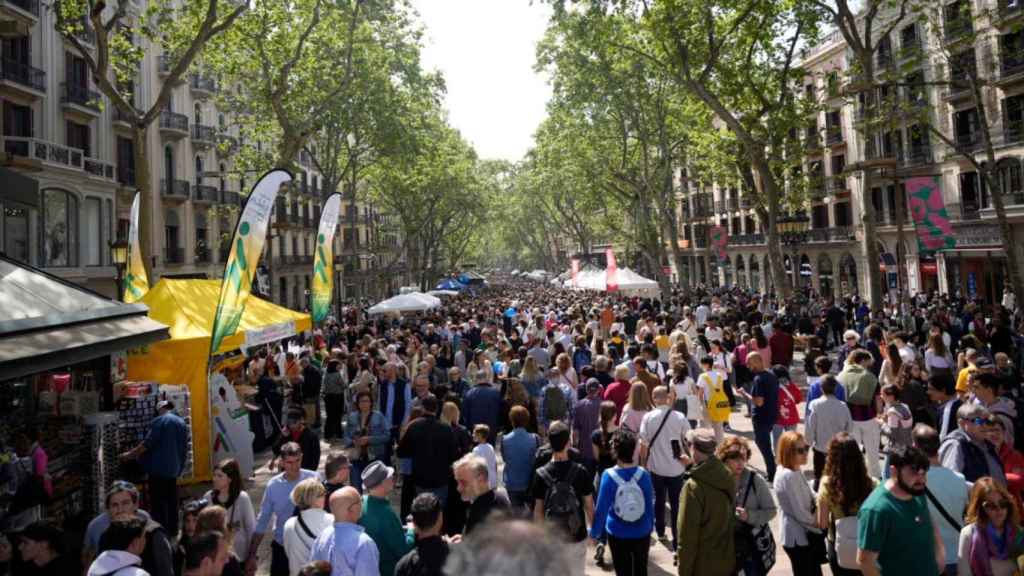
x=486 y=51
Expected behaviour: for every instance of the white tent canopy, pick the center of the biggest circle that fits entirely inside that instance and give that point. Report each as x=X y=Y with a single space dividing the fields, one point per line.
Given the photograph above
x=629 y=282
x=409 y=302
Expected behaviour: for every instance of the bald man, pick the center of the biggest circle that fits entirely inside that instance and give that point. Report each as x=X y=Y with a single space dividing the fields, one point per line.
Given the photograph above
x=345 y=542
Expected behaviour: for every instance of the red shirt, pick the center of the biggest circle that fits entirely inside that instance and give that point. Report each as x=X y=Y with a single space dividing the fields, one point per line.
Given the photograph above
x=781 y=344
x=617 y=392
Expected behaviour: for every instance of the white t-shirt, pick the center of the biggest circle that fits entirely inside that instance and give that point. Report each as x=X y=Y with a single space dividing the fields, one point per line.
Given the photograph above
x=713 y=334
x=660 y=460
x=486 y=451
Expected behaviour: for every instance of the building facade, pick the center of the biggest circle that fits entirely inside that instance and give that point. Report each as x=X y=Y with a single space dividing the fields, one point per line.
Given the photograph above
x=917 y=55
x=59 y=130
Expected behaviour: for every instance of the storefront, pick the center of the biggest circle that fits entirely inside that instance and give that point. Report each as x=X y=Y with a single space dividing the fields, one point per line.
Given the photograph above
x=62 y=354
x=976 y=268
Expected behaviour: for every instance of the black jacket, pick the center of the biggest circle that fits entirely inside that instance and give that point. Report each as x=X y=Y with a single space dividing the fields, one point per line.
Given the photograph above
x=427 y=559
x=486 y=504
x=431 y=445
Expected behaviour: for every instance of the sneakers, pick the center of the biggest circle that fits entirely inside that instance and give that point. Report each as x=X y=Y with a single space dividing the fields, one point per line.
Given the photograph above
x=599 y=555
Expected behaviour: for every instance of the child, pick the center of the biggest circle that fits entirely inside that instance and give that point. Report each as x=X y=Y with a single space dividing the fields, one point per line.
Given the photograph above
x=823 y=366
x=897 y=421
x=712 y=383
x=484 y=450
x=789 y=397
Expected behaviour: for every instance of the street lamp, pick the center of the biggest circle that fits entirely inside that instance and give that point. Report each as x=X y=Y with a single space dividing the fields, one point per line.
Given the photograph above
x=119 y=256
x=793 y=233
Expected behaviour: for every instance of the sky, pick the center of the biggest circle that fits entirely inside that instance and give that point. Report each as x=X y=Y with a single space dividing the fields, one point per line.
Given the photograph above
x=486 y=51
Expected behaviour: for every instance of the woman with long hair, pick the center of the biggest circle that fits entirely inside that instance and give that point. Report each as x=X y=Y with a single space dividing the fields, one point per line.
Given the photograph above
x=566 y=373
x=759 y=344
x=755 y=506
x=913 y=385
x=630 y=537
x=892 y=364
x=937 y=359
x=455 y=509
x=799 y=524
x=991 y=538
x=845 y=485
x=639 y=404
x=229 y=491
x=480 y=368
x=366 y=436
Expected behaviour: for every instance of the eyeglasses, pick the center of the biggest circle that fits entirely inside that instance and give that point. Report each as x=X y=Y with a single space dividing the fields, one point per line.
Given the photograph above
x=1001 y=505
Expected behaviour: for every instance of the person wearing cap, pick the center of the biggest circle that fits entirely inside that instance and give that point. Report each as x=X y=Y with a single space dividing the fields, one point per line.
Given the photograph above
x=379 y=518
x=706 y=544
x=967 y=450
x=345 y=545
x=42 y=551
x=277 y=505
x=163 y=453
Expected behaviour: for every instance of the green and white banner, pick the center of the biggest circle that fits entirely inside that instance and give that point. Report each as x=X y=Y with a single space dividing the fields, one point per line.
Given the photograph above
x=323 y=262
x=136 y=283
x=246 y=247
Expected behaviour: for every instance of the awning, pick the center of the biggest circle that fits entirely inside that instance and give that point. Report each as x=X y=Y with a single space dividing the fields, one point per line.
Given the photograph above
x=35 y=351
x=19 y=188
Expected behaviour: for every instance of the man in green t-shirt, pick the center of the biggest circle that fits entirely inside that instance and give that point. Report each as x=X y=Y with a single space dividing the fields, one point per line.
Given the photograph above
x=895 y=533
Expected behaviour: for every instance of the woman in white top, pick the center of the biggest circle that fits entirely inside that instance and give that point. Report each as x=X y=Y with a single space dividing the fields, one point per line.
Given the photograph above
x=937 y=359
x=301 y=530
x=481 y=364
x=892 y=365
x=796 y=500
x=228 y=492
x=566 y=373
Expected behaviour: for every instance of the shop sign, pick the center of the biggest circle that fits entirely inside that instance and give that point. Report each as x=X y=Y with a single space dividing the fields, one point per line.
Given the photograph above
x=271 y=333
x=929 y=268
x=978 y=235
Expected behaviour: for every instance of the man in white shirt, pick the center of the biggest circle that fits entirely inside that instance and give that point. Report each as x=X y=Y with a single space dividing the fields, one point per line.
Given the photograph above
x=702 y=313
x=713 y=331
x=662 y=433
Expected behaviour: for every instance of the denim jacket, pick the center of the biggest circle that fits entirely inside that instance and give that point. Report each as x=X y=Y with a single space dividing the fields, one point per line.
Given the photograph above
x=379 y=433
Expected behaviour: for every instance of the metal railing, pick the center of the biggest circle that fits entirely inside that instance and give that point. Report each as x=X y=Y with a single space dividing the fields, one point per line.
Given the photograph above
x=747 y=239
x=30 y=6
x=1011 y=66
x=1013 y=132
x=23 y=74
x=203 y=83
x=834 y=135
x=126 y=175
x=58 y=155
x=174 y=188
x=204 y=134
x=917 y=155
x=80 y=96
x=173 y=121
x=957 y=29
x=205 y=193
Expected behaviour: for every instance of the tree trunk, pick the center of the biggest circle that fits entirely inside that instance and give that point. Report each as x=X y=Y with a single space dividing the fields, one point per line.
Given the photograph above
x=144 y=184
x=288 y=149
x=773 y=244
x=901 y=258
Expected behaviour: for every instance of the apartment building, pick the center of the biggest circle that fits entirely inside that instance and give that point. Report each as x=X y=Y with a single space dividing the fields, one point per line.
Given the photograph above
x=61 y=135
x=830 y=259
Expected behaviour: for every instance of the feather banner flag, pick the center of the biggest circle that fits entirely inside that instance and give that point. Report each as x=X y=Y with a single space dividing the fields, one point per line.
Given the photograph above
x=612 y=272
x=323 y=262
x=136 y=283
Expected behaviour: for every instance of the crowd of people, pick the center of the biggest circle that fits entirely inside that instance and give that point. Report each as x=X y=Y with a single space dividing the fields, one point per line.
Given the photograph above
x=596 y=424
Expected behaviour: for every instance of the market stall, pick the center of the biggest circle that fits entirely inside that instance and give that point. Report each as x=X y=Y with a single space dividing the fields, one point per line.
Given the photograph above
x=409 y=302
x=62 y=353
x=188 y=307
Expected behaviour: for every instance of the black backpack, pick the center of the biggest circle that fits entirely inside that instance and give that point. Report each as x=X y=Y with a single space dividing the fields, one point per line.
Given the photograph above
x=561 y=506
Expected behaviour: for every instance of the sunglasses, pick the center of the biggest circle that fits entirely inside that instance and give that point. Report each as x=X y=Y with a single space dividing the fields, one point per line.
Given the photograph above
x=1001 y=505
x=982 y=421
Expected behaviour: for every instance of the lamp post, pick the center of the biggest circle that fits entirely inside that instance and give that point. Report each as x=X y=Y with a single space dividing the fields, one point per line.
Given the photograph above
x=793 y=233
x=119 y=256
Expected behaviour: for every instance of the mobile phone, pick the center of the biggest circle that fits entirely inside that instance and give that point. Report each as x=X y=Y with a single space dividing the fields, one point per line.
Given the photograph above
x=677 y=449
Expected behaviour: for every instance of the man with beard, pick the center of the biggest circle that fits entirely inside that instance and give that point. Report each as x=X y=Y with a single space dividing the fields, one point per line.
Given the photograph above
x=895 y=532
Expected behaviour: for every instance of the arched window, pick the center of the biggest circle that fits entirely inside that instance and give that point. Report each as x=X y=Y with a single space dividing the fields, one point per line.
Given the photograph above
x=199 y=170
x=59 y=228
x=168 y=168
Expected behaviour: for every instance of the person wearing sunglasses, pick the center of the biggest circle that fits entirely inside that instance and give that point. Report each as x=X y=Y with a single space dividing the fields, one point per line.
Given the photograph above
x=967 y=450
x=801 y=538
x=991 y=539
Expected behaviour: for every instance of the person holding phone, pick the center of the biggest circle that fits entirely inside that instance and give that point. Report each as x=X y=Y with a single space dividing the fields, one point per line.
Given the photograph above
x=662 y=433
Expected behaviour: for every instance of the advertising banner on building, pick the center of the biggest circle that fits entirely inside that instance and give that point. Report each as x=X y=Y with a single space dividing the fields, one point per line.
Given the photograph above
x=246 y=247
x=612 y=273
x=719 y=242
x=575 y=271
x=136 y=283
x=934 y=230
x=323 y=261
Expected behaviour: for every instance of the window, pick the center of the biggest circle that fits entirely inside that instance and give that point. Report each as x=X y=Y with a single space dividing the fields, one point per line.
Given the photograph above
x=126 y=161
x=838 y=164
x=123 y=226
x=819 y=216
x=92 y=228
x=915 y=88
x=197 y=114
x=78 y=137
x=76 y=72
x=221 y=122
x=223 y=184
x=202 y=237
x=17 y=122
x=843 y=213
x=169 y=166
x=59 y=229
x=965 y=127
x=199 y=170
x=908 y=38
x=973 y=196
x=172 y=237
x=16 y=232
x=18 y=50
x=832 y=81
x=284 y=290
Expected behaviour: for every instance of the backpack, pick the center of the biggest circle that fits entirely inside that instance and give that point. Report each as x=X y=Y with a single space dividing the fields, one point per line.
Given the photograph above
x=561 y=506
x=555 y=407
x=629 y=504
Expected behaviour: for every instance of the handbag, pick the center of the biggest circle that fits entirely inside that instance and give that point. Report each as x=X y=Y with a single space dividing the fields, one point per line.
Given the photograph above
x=754 y=542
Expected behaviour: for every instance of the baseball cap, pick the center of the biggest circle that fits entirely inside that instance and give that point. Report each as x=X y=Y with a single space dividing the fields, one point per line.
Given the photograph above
x=165 y=404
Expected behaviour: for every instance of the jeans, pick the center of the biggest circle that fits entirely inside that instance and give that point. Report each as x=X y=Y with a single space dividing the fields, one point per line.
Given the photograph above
x=335 y=404
x=672 y=485
x=763 y=439
x=629 y=555
x=163 y=502
x=869 y=433
x=802 y=562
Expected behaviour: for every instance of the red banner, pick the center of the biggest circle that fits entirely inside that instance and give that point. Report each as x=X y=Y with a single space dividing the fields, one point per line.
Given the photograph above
x=719 y=241
x=575 y=270
x=611 y=275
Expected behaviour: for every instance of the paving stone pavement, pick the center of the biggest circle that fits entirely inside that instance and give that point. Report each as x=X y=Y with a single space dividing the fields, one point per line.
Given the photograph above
x=660 y=556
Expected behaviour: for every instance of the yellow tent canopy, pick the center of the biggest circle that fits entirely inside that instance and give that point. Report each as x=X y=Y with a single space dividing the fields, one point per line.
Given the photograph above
x=188 y=308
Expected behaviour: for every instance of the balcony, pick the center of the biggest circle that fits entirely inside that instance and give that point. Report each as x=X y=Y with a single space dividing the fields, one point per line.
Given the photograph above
x=1010 y=11
x=80 y=100
x=22 y=79
x=835 y=184
x=122 y=120
x=884 y=59
x=747 y=240
x=173 y=125
x=816 y=187
x=829 y=235
x=910 y=51
x=24 y=12
x=916 y=155
x=204 y=194
x=33 y=153
x=812 y=141
x=202 y=255
x=1010 y=70
x=969 y=141
x=203 y=136
x=174 y=255
x=229 y=198
x=165 y=64
x=174 y=189
x=833 y=136
x=304 y=260
x=1013 y=132
x=957 y=30
x=202 y=85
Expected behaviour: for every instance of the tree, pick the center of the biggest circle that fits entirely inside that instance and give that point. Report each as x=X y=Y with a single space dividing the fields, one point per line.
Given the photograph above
x=120 y=35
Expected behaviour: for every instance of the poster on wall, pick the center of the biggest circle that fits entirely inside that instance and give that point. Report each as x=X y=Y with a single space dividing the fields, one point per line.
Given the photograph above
x=230 y=434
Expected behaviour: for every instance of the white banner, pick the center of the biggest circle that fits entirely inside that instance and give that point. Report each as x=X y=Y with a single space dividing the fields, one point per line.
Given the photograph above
x=271 y=333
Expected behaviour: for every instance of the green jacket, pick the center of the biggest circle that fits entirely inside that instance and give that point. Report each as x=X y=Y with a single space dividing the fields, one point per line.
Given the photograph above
x=706 y=510
x=860 y=384
x=382 y=524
